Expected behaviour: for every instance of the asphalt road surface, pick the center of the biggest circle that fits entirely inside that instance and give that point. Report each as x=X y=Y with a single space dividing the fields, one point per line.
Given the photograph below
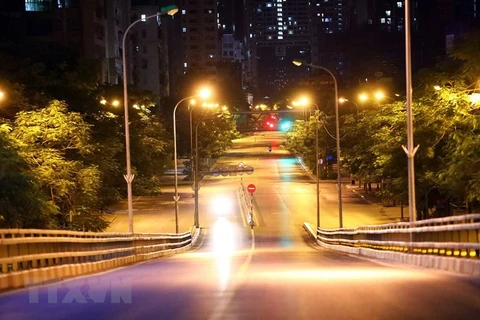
x=273 y=271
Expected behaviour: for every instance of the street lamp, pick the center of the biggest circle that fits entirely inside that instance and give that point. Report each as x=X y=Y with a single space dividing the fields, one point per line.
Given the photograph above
x=298 y=62
x=305 y=102
x=343 y=100
x=193 y=161
x=169 y=10
x=204 y=93
x=410 y=150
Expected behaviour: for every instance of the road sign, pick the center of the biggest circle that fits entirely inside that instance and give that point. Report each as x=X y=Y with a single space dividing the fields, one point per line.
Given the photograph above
x=251 y=188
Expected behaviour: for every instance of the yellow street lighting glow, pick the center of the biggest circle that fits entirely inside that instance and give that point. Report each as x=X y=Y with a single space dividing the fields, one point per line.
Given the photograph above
x=296 y=62
x=436 y=87
x=342 y=100
x=1 y=94
x=363 y=97
x=115 y=103
x=135 y=106
x=379 y=95
x=204 y=93
x=304 y=101
x=103 y=101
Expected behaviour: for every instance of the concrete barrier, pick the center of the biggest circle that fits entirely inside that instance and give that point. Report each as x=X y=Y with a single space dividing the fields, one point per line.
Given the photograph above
x=468 y=267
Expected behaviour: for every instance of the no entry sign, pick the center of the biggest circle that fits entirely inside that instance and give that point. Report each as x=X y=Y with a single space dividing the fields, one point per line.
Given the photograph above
x=251 y=188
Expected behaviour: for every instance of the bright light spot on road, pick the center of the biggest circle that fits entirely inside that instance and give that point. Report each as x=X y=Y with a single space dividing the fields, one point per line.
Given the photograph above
x=223 y=237
x=223 y=249
x=222 y=205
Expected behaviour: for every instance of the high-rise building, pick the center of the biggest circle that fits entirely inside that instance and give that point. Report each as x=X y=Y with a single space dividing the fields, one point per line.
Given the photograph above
x=93 y=28
x=277 y=31
x=199 y=28
x=150 y=50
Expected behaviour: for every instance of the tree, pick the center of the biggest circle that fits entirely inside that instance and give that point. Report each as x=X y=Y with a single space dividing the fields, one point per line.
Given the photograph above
x=215 y=135
x=56 y=144
x=22 y=203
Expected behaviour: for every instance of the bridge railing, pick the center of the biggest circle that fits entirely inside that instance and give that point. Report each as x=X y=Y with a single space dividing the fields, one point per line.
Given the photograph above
x=450 y=237
x=27 y=253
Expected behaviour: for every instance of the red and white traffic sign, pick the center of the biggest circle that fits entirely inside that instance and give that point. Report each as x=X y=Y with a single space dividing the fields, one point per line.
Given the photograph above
x=251 y=188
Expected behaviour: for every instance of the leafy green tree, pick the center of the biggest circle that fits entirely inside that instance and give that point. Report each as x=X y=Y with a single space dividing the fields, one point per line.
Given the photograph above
x=23 y=204
x=215 y=135
x=56 y=144
x=150 y=149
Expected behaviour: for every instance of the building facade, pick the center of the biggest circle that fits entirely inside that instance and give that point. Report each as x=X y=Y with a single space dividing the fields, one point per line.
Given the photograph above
x=276 y=32
x=91 y=27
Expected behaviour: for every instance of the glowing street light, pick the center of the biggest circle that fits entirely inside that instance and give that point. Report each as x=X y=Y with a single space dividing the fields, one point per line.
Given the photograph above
x=337 y=130
x=167 y=10
x=343 y=100
x=204 y=93
x=379 y=95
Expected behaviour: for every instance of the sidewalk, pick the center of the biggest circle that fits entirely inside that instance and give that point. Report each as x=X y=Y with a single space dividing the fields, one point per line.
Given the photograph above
x=394 y=213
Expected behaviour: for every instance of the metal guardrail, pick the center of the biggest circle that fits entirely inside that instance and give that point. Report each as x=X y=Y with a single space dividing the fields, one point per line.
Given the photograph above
x=25 y=252
x=457 y=236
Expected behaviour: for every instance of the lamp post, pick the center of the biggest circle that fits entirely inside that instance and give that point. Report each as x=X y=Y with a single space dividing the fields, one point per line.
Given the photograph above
x=196 y=216
x=204 y=93
x=410 y=150
x=305 y=102
x=194 y=166
x=337 y=132
x=169 y=10
x=343 y=100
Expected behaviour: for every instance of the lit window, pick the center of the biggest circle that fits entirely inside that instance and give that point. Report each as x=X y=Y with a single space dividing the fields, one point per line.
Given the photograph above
x=280 y=37
x=388 y=13
x=184 y=64
x=399 y=4
x=382 y=20
x=184 y=29
x=269 y=5
x=143 y=17
x=184 y=11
